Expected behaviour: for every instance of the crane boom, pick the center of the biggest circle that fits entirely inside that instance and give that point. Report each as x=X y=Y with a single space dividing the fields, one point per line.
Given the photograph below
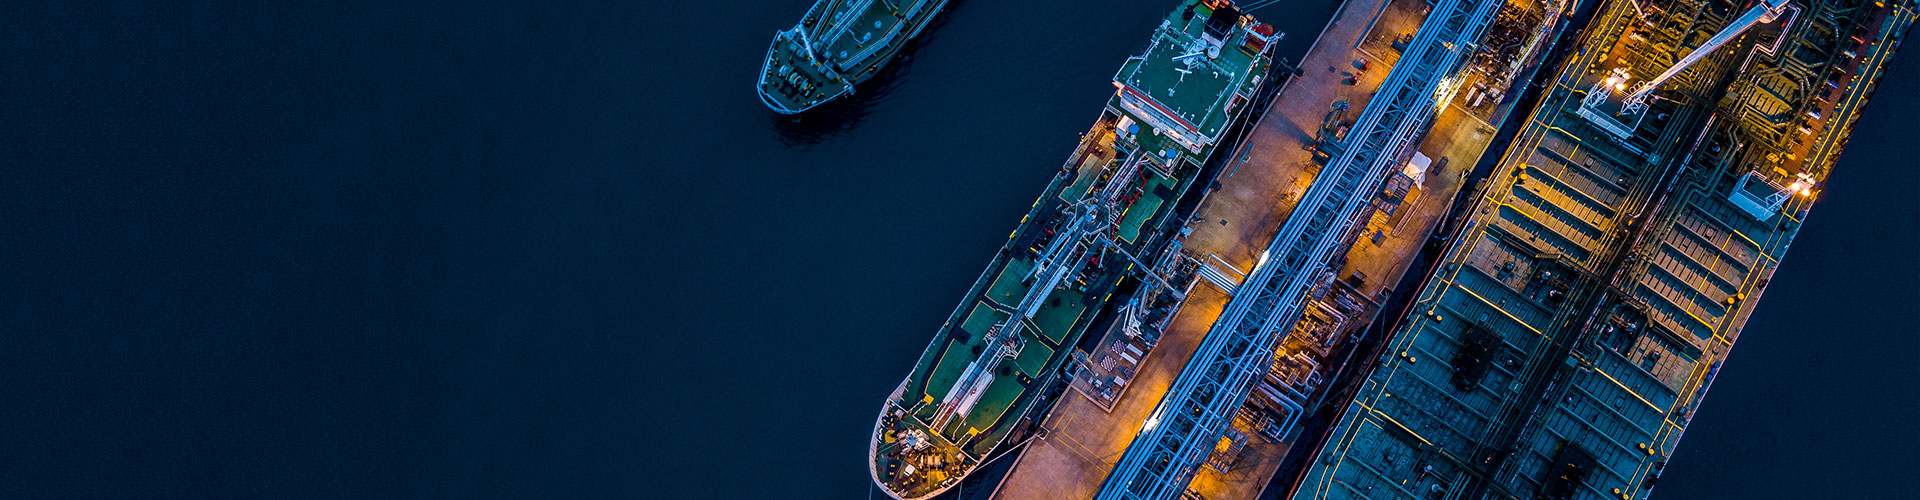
x=1763 y=11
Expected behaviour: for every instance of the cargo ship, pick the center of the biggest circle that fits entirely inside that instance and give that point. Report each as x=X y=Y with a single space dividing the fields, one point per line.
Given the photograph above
x=1561 y=347
x=1105 y=211
x=839 y=44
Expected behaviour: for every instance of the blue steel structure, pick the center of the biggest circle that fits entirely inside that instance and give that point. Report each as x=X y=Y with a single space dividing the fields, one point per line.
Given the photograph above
x=1176 y=438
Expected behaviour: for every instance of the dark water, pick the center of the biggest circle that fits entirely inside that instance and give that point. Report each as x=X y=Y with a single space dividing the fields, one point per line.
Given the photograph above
x=526 y=250
x=1821 y=396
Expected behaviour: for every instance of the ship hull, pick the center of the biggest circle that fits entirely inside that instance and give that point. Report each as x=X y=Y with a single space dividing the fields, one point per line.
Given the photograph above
x=796 y=77
x=1103 y=226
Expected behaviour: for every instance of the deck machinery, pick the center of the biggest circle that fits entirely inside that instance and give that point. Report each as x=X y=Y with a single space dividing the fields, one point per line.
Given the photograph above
x=837 y=45
x=1560 y=347
x=1185 y=426
x=1108 y=211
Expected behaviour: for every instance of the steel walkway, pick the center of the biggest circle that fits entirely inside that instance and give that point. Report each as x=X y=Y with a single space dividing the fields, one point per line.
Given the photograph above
x=1181 y=431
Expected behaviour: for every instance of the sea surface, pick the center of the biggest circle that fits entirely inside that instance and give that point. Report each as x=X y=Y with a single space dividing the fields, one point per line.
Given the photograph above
x=464 y=250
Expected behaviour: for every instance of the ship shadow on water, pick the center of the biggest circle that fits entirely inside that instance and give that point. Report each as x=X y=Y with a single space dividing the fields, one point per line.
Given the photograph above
x=808 y=128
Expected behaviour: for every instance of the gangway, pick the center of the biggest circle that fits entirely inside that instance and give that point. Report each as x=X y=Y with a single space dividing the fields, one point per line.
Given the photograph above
x=1177 y=437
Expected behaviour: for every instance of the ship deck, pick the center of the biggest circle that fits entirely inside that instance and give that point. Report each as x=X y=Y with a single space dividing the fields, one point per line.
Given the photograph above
x=1084 y=437
x=1167 y=170
x=858 y=43
x=851 y=39
x=1197 y=94
x=1563 y=345
x=1065 y=314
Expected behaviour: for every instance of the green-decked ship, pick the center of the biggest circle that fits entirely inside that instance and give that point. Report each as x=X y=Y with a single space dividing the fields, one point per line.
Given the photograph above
x=839 y=44
x=1111 y=203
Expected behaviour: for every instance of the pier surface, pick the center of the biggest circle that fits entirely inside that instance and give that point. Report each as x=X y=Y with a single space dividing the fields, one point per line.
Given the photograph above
x=1082 y=440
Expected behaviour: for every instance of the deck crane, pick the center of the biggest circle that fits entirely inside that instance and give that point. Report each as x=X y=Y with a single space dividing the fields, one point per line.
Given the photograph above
x=1763 y=11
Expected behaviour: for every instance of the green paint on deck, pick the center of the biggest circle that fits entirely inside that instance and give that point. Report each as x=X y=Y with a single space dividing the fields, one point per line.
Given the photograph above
x=1007 y=289
x=1083 y=181
x=1063 y=315
x=1143 y=210
x=1056 y=321
x=955 y=357
x=994 y=403
x=1033 y=359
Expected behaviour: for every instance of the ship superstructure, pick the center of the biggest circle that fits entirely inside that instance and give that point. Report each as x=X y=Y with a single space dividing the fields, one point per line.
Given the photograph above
x=839 y=44
x=1107 y=213
x=1603 y=274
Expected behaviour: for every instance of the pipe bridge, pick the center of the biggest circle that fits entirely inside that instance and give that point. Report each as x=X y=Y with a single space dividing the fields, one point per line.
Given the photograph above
x=1181 y=431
